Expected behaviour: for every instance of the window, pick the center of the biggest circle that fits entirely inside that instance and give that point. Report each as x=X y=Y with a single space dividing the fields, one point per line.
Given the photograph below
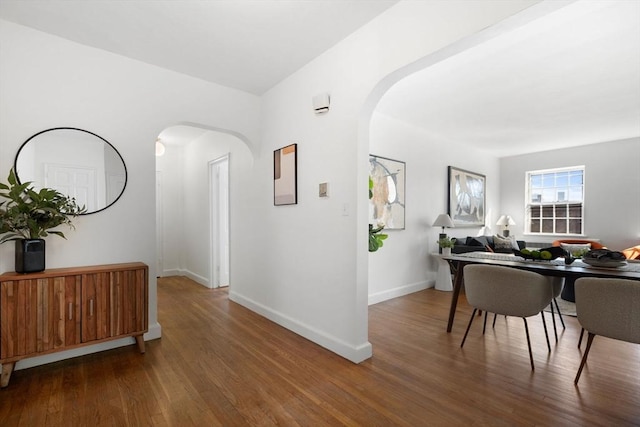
x=555 y=201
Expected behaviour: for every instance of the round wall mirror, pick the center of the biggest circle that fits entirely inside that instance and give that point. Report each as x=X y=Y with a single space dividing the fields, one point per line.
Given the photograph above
x=75 y=162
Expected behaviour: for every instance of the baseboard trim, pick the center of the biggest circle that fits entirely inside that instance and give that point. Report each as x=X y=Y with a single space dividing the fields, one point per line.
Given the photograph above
x=172 y=272
x=191 y=275
x=355 y=354
x=197 y=278
x=155 y=332
x=400 y=291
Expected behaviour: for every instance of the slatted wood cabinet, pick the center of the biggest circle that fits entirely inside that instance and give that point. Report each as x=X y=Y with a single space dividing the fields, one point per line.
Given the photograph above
x=65 y=308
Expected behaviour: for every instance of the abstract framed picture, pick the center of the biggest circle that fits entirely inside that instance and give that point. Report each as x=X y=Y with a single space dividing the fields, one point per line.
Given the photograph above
x=387 y=201
x=467 y=197
x=285 y=175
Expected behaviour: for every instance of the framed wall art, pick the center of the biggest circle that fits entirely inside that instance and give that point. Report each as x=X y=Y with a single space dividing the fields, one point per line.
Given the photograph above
x=467 y=197
x=285 y=175
x=387 y=201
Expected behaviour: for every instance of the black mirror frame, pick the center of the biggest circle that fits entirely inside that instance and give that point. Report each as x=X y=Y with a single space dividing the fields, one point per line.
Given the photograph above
x=124 y=165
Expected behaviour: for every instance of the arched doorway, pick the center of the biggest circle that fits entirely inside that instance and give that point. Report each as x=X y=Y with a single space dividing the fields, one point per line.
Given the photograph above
x=190 y=231
x=423 y=236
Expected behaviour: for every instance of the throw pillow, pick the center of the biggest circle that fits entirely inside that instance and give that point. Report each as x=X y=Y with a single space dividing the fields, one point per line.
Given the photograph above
x=471 y=241
x=504 y=244
x=484 y=241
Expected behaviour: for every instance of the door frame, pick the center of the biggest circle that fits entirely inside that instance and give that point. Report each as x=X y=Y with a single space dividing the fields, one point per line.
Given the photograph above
x=215 y=226
x=159 y=227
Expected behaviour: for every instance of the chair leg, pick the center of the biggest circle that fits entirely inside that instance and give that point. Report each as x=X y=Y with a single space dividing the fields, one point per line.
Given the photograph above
x=581 y=335
x=494 y=320
x=526 y=329
x=584 y=357
x=553 y=318
x=484 y=325
x=555 y=300
x=468 y=326
x=546 y=334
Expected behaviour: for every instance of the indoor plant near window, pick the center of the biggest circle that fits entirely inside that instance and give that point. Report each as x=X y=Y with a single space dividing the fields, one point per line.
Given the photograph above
x=446 y=244
x=27 y=215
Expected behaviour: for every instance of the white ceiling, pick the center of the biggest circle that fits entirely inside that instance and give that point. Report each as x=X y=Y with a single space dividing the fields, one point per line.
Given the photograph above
x=245 y=44
x=570 y=78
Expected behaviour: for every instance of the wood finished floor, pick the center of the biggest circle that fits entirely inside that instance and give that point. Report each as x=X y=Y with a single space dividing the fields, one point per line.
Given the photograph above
x=218 y=364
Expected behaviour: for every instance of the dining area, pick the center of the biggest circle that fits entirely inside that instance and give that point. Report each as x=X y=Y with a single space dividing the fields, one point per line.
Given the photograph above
x=607 y=297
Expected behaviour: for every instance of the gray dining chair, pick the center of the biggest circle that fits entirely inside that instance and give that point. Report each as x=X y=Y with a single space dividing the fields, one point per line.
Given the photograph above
x=556 y=289
x=607 y=307
x=507 y=291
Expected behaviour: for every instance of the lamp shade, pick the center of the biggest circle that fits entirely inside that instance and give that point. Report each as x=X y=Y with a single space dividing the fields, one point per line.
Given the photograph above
x=443 y=220
x=505 y=220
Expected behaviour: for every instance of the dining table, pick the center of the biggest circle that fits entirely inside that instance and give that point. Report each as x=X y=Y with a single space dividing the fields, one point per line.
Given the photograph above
x=557 y=268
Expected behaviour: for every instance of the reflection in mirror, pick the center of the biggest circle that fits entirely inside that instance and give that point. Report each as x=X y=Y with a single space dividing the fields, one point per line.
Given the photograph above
x=75 y=162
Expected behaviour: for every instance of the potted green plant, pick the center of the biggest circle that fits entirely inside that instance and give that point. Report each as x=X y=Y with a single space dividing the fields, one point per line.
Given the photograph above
x=446 y=244
x=28 y=215
x=376 y=238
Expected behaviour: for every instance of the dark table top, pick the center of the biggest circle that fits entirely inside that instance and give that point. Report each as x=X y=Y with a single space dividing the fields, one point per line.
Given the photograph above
x=555 y=267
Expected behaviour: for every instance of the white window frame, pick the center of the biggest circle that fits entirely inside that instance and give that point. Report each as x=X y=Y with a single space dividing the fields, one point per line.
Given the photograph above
x=530 y=206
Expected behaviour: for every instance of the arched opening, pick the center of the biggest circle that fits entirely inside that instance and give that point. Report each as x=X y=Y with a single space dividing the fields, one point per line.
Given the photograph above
x=188 y=210
x=429 y=205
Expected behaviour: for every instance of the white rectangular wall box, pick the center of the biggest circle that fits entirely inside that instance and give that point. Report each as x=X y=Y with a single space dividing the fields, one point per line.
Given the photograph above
x=321 y=103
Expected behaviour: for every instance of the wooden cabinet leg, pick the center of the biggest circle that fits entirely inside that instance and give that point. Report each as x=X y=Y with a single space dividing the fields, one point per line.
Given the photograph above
x=140 y=342
x=7 y=369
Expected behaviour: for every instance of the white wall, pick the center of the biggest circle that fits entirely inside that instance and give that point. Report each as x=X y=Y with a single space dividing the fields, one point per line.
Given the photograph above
x=46 y=81
x=612 y=183
x=311 y=273
x=304 y=266
x=170 y=218
x=403 y=264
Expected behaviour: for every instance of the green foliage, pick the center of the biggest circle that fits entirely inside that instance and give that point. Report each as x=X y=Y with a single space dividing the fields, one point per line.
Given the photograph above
x=376 y=238
x=446 y=242
x=29 y=214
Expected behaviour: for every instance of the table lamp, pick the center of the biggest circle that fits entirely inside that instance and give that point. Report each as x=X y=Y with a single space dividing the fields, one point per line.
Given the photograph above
x=443 y=220
x=506 y=221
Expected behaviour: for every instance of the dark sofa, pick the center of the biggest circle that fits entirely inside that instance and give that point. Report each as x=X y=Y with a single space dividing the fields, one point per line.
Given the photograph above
x=483 y=244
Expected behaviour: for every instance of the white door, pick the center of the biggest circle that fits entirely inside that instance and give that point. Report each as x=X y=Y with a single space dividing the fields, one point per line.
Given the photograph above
x=77 y=182
x=219 y=215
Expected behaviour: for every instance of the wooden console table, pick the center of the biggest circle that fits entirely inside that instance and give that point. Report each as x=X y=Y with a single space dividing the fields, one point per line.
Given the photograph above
x=65 y=308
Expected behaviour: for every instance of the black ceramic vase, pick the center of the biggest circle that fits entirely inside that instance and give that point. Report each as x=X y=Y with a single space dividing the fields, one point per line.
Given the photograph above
x=29 y=255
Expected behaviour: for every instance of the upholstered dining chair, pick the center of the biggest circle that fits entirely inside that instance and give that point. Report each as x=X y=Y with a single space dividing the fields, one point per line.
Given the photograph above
x=607 y=307
x=556 y=288
x=508 y=291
